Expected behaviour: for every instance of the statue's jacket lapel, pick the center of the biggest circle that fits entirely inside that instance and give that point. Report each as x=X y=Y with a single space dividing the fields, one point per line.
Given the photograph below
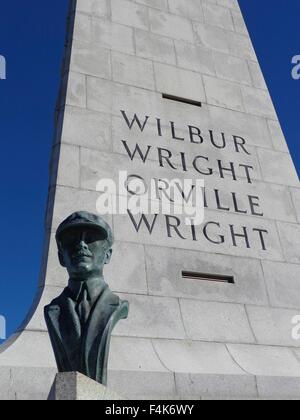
x=65 y=331
x=107 y=311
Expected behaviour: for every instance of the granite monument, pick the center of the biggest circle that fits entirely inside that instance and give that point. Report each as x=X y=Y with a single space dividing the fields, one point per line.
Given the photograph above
x=211 y=306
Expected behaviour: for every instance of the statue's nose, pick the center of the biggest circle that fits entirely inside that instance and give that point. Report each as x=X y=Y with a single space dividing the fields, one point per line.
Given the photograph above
x=82 y=245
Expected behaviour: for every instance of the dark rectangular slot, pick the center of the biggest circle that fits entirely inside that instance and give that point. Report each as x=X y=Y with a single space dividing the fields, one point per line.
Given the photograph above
x=190 y=275
x=182 y=100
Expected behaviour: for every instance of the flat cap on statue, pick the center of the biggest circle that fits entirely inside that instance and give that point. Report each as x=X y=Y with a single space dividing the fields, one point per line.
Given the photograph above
x=85 y=219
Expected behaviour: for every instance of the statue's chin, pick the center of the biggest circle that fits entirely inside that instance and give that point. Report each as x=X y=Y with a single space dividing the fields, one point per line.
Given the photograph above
x=82 y=269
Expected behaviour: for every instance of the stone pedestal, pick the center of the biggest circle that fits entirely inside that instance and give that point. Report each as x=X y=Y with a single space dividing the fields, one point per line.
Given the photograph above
x=74 y=386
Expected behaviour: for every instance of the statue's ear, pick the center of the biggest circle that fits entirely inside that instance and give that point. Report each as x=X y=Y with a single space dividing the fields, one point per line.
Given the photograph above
x=108 y=256
x=61 y=259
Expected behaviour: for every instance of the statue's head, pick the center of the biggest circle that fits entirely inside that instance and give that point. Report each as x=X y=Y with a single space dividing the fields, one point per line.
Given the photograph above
x=84 y=243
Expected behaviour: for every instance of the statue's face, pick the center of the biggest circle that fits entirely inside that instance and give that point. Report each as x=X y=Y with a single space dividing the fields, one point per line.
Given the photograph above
x=84 y=252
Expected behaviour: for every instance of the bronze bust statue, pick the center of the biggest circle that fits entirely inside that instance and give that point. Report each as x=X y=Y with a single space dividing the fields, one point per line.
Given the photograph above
x=80 y=321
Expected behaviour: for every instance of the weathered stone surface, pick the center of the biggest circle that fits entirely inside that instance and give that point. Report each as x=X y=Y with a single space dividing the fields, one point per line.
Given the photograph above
x=154 y=47
x=5 y=380
x=108 y=97
x=241 y=46
x=252 y=128
x=88 y=128
x=26 y=383
x=93 y=7
x=129 y=13
x=91 y=61
x=158 y=4
x=216 y=386
x=143 y=385
x=220 y=322
x=76 y=91
x=218 y=16
x=239 y=23
x=169 y=25
x=153 y=317
x=231 y=4
x=278 y=168
x=211 y=37
x=21 y=351
x=296 y=200
x=277 y=136
x=32 y=383
x=132 y=71
x=218 y=39
x=283 y=284
x=258 y=102
x=69 y=166
x=93 y=32
x=196 y=357
x=232 y=68
x=278 y=387
x=290 y=239
x=44 y=296
x=191 y=10
x=256 y=75
x=164 y=272
x=74 y=386
x=179 y=82
x=272 y=326
x=135 y=355
x=133 y=274
x=223 y=94
x=265 y=360
x=194 y=58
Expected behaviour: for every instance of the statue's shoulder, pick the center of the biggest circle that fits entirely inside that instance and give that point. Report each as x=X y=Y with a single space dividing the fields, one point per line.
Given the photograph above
x=56 y=303
x=114 y=299
x=121 y=306
x=123 y=309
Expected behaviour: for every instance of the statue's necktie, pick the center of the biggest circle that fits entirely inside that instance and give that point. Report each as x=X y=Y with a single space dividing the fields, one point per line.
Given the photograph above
x=83 y=307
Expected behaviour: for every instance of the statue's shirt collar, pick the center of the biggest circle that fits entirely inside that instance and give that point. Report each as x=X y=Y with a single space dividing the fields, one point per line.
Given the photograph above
x=93 y=287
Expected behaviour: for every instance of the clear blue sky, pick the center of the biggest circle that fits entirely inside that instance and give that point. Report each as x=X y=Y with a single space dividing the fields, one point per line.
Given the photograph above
x=32 y=35
x=32 y=39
